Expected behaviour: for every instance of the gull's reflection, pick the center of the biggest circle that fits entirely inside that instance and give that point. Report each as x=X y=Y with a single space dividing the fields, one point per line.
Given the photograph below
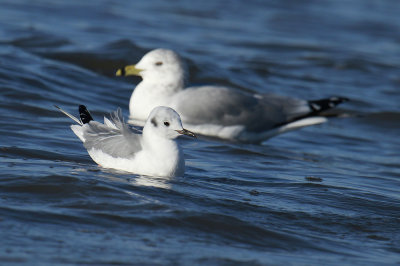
x=152 y=181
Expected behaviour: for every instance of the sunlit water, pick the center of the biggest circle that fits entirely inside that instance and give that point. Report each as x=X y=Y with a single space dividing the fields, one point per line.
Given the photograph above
x=323 y=194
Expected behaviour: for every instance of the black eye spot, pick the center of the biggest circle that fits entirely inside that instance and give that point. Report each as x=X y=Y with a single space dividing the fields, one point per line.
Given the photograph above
x=166 y=123
x=159 y=63
x=154 y=122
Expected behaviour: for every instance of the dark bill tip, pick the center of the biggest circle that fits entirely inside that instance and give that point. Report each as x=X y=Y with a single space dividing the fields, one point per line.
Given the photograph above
x=187 y=133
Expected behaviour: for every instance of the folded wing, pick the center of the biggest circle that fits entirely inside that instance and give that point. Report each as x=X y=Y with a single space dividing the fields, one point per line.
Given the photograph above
x=114 y=138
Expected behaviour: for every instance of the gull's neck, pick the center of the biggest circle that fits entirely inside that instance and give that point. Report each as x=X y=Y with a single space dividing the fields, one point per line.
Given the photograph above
x=151 y=93
x=154 y=142
x=168 y=83
x=165 y=153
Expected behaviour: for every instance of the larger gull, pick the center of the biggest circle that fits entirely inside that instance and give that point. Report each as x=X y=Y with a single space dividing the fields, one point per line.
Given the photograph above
x=214 y=110
x=115 y=145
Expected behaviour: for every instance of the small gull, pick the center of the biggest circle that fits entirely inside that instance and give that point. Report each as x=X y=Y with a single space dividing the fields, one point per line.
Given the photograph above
x=115 y=145
x=214 y=110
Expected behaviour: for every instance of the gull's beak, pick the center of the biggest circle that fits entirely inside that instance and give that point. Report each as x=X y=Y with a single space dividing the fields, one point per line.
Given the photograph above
x=187 y=133
x=129 y=71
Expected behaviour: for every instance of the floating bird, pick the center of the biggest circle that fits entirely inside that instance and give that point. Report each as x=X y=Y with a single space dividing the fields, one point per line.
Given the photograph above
x=214 y=110
x=115 y=145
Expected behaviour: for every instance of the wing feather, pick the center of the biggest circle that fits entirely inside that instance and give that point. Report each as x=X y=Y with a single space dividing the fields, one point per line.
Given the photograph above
x=118 y=140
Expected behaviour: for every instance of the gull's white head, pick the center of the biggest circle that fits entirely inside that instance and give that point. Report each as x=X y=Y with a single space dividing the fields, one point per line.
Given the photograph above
x=159 y=66
x=166 y=123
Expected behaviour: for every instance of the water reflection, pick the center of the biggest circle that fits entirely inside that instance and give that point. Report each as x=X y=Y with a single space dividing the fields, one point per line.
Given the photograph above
x=152 y=181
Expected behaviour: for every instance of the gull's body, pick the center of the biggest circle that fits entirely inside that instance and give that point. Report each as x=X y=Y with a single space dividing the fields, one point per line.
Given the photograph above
x=115 y=145
x=213 y=110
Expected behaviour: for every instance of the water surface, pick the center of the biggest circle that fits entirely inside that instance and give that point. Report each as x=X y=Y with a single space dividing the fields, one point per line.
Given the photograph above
x=326 y=194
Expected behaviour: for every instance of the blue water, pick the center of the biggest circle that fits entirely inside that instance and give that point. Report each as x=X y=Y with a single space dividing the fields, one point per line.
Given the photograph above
x=327 y=194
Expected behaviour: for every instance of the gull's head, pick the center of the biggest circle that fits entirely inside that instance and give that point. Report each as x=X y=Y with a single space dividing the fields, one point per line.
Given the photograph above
x=158 y=66
x=165 y=122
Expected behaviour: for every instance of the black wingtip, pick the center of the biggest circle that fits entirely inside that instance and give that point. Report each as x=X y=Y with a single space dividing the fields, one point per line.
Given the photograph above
x=84 y=114
x=318 y=106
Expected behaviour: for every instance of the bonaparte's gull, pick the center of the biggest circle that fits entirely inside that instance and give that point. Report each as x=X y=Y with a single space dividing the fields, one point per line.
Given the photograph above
x=213 y=110
x=115 y=145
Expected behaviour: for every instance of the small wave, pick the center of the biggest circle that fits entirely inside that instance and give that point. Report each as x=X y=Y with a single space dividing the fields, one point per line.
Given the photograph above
x=104 y=59
x=29 y=153
x=385 y=119
x=38 y=41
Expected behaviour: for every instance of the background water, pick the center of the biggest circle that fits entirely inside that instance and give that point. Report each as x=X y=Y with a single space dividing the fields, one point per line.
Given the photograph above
x=326 y=194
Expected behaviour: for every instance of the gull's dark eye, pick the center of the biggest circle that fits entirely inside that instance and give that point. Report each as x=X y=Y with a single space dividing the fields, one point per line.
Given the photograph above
x=166 y=123
x=159 y=63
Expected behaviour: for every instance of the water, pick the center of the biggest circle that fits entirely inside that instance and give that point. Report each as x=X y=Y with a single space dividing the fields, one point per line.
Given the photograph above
x=327 y=194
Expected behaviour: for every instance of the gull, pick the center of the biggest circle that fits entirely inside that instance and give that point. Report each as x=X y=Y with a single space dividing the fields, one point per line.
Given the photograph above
x=217 y=111
x=115 y=145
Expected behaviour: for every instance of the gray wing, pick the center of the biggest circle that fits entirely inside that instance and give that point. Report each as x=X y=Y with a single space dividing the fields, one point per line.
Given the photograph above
x=118 y=142
x=220 y=105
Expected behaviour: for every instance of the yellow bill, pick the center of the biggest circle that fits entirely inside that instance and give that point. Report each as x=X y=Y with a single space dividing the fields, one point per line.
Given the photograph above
x=130 y=70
